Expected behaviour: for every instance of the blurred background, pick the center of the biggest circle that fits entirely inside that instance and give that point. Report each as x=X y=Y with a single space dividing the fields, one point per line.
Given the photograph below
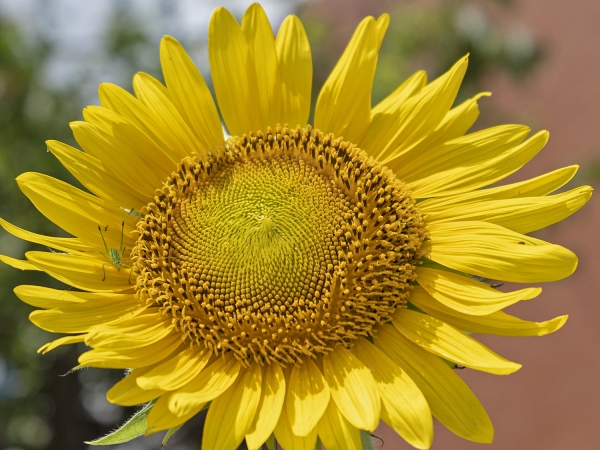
x=538 y=57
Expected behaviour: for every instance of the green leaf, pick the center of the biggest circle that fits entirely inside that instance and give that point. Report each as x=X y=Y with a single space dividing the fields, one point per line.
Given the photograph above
x=170 y=433
x=319 y=445
x=366 y=440
x=134 y=427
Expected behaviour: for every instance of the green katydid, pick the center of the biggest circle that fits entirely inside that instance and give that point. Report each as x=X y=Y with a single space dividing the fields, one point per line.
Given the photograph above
x=113 y=255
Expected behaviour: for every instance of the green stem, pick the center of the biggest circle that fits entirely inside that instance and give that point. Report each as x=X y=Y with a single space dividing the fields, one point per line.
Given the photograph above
x=366 y=440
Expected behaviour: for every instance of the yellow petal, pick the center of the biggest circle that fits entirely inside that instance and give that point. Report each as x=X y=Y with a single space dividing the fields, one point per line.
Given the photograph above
x=138 y=341
x=208 y=384
x=96 y=177
x=80 y=317
x=18 y=263
x=147 y=327
x=145 y=119
x=137 y=356
x=466 y=295
x=155 y=96
x=61 y=341
x=491 y=251
x=344 y=103
x=522 y=215
x=83 y=272
x=477 y=164
x=336 y=432
x=391 y=135
x=542 y=185
x=127 y=139
x=403 y=406
x=450 y=399
x=393 y=102
x=231 y=414
x=287 y=439
x=388 y=110
x=352 y=388
x=261 y=44
x=382 y=24
x=464 y=152
x=269 y=408
x=307 y=397
x=175 y=372
x=189 y=93
x=233 y=74
x=498 y=323
x=160 y=418
x=454 y=125
x=77 y=212
x=295 y=72
x=43 y=297
x=127 y=393
x=440 y=338
x=118 y=161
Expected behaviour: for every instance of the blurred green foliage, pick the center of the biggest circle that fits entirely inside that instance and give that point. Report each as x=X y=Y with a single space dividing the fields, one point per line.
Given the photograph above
x=29 y=113
x=40 y=410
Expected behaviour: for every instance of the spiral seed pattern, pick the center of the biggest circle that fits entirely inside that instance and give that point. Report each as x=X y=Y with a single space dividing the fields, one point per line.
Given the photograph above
x=286 y=243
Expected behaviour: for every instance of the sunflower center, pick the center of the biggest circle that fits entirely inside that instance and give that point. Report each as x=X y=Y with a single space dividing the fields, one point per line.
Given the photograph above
x=286 y=244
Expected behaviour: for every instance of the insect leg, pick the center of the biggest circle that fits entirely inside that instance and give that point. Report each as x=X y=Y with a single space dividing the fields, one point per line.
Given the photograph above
x=104 y=241
x=121 y=248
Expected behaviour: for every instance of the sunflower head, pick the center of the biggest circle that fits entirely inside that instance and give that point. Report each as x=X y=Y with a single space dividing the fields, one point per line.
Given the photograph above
x=302 y=280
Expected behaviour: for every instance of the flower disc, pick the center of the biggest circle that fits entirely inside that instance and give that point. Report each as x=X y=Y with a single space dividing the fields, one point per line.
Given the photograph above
x=283 y=245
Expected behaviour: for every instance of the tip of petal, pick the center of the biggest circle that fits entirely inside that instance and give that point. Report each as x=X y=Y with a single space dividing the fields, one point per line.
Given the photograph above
x=383 y=20
x=168 y=41
x=553 y=325
x=254 y=6
x=482 y=94
x=25 y=177
x=531 y=293
x=43 y=348
x=221 y=13
x=507 y=369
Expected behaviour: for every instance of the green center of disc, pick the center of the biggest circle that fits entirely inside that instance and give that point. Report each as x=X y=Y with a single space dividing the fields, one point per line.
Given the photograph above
x=263 y=226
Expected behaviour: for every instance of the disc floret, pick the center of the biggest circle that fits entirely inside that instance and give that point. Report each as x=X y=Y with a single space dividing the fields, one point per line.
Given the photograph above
x=285 y=243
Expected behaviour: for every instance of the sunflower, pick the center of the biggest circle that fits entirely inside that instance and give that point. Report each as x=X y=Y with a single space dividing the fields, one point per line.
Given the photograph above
x=302 y=280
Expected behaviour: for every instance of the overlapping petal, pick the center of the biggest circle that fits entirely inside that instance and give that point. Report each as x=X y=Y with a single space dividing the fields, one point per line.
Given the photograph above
x=344 y=103
x=492 y=251
x=353 y=388
x=295 y=72
x=393 y=132
x=307 y=397
x=450 y=399
x=466 y=295
x=403 y=406
x=440 y=338
x=189 y=93
x=269 y=409
x=498 y=323
x=231 y=414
